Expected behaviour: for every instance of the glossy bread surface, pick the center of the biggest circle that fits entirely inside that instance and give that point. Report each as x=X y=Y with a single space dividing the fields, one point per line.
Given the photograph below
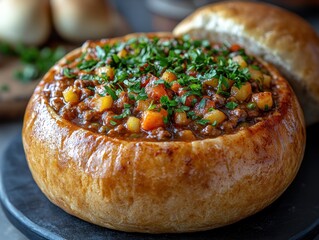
x=163 y=186
x=278 y=36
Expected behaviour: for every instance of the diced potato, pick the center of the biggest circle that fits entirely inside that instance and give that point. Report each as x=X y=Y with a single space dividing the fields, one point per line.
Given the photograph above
x=215 y=117
x=133 y=124
x=107 y=70
x=256 y=75
x=267 y=80
x=214 y=83
x=241 y=62
x=186 y=135
x=142 y=105
x=103 y=103
x=181 y=118
x=169 y=76
x=242 y=93
x=229 y=84
x=122 y=53
x=211 y=82
x=70 y=95
x=263 y=100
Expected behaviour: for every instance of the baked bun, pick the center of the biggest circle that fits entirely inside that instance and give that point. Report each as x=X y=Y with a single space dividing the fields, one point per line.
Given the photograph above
x=276 y=35
x=122 y=181
x=79 y=20
x=26 y=22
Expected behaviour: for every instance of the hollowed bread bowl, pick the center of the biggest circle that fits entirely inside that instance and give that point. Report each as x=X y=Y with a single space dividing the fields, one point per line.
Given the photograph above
x=167 y=186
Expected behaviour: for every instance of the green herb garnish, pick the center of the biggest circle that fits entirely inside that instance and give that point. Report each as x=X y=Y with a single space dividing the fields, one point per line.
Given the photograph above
x=113 y=123
x=4 y=88
x=231 y=105
x=203 y=121
x=87 y=65
x=67 y=72
x=111 y=92
x=36 y=62
x=251 y=105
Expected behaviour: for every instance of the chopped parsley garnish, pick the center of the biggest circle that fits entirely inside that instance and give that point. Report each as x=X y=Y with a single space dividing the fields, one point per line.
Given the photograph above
x=113 y=123
x=202 y=103
x=111 y=92
x=203 y=121
x=87 y=65
x=4 y=88
x=126 y=112
x=251 y=105
x=91 y=88
x=35 y=61
x=67 y=72
x=100 y=52
x=177 y=78
x=231 y=105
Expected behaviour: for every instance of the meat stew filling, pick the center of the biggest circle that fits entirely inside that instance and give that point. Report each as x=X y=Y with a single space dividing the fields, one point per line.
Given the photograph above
x=162 y=89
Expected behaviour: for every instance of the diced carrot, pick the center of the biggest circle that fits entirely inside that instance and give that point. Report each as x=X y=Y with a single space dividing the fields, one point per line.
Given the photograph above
x=144 y=80
x=153 y=119
x=175 y=87
x=155 y=92
x=235 y=47
x=210 y=104
x=189 y=100
x=181 y=92
x=163 y=112
x=192 y=73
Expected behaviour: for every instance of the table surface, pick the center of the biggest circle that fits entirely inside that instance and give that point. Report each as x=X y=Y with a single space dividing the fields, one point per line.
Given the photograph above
x=7 y=133
x=8 y=130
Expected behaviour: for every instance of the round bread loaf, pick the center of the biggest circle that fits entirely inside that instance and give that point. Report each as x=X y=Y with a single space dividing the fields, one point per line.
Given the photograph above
x=26 y=22
x=278 y=36
x=162 y=186
x=79 y=20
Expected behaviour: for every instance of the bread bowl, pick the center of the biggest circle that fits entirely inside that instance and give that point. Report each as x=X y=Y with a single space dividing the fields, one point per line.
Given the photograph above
x=147 y=180
x=278 y=36
x=79 y=20
x=25 y=22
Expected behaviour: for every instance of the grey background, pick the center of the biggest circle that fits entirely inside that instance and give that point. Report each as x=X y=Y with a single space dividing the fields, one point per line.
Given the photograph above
x=8 y=130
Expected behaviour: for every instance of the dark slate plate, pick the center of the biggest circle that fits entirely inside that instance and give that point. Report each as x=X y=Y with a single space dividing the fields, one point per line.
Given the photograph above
x=295 y=215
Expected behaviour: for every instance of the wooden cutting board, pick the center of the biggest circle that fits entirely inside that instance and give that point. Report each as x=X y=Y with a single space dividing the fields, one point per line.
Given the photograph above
x=14 y=94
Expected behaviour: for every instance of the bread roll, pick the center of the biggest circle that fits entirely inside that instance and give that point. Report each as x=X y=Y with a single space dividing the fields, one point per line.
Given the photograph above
x=80 y=20
x=26 y=22
x=160 y=186
x=278 y=36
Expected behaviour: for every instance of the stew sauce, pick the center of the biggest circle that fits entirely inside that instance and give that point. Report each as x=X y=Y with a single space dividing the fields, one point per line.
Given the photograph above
x=162 y=89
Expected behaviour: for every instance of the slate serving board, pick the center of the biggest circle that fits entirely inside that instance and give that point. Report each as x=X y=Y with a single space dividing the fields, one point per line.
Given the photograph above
x=295 y=215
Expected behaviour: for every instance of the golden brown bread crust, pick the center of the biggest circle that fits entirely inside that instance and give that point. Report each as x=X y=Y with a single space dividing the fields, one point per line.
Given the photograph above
x=278 y=36
x=163 y=186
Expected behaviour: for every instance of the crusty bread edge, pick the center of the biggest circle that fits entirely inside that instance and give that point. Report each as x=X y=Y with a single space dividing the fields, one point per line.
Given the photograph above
x=163 y=186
